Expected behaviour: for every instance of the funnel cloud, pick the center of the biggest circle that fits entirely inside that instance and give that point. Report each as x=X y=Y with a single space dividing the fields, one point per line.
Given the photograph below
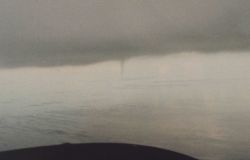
x=78 y=32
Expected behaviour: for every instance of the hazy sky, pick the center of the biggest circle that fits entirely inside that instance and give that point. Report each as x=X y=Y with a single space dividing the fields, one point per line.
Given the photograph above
x=62 y=32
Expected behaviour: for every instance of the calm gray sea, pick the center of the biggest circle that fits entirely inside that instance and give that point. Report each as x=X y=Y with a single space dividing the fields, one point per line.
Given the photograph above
x=194 y=103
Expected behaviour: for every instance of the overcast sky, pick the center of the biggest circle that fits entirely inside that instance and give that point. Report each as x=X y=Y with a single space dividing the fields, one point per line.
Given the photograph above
x=63 y=32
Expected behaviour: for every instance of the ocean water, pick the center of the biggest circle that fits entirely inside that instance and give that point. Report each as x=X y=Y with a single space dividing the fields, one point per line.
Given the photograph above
x=194 y=103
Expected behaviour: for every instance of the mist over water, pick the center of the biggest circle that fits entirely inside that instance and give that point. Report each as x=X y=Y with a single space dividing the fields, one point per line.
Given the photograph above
x=126 y=71
x=193 y=103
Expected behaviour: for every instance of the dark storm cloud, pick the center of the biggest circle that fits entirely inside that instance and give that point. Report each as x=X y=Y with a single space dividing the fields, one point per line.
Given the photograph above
x=62 y=32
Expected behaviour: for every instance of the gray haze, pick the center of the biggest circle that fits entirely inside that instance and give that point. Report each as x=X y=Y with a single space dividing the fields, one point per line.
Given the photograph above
x=62 y=32
x=196 y=104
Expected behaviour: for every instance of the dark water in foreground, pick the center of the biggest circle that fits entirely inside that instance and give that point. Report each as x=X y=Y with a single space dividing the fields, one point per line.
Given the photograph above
x=193 y=103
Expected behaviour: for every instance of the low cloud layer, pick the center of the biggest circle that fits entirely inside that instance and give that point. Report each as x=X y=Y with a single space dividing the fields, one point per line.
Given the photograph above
x=62 y=32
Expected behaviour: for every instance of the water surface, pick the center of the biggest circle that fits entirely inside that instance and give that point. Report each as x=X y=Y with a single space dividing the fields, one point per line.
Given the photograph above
x=194 y=103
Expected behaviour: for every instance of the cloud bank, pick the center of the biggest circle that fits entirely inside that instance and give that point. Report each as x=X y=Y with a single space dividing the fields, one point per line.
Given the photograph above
x=62 y=32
